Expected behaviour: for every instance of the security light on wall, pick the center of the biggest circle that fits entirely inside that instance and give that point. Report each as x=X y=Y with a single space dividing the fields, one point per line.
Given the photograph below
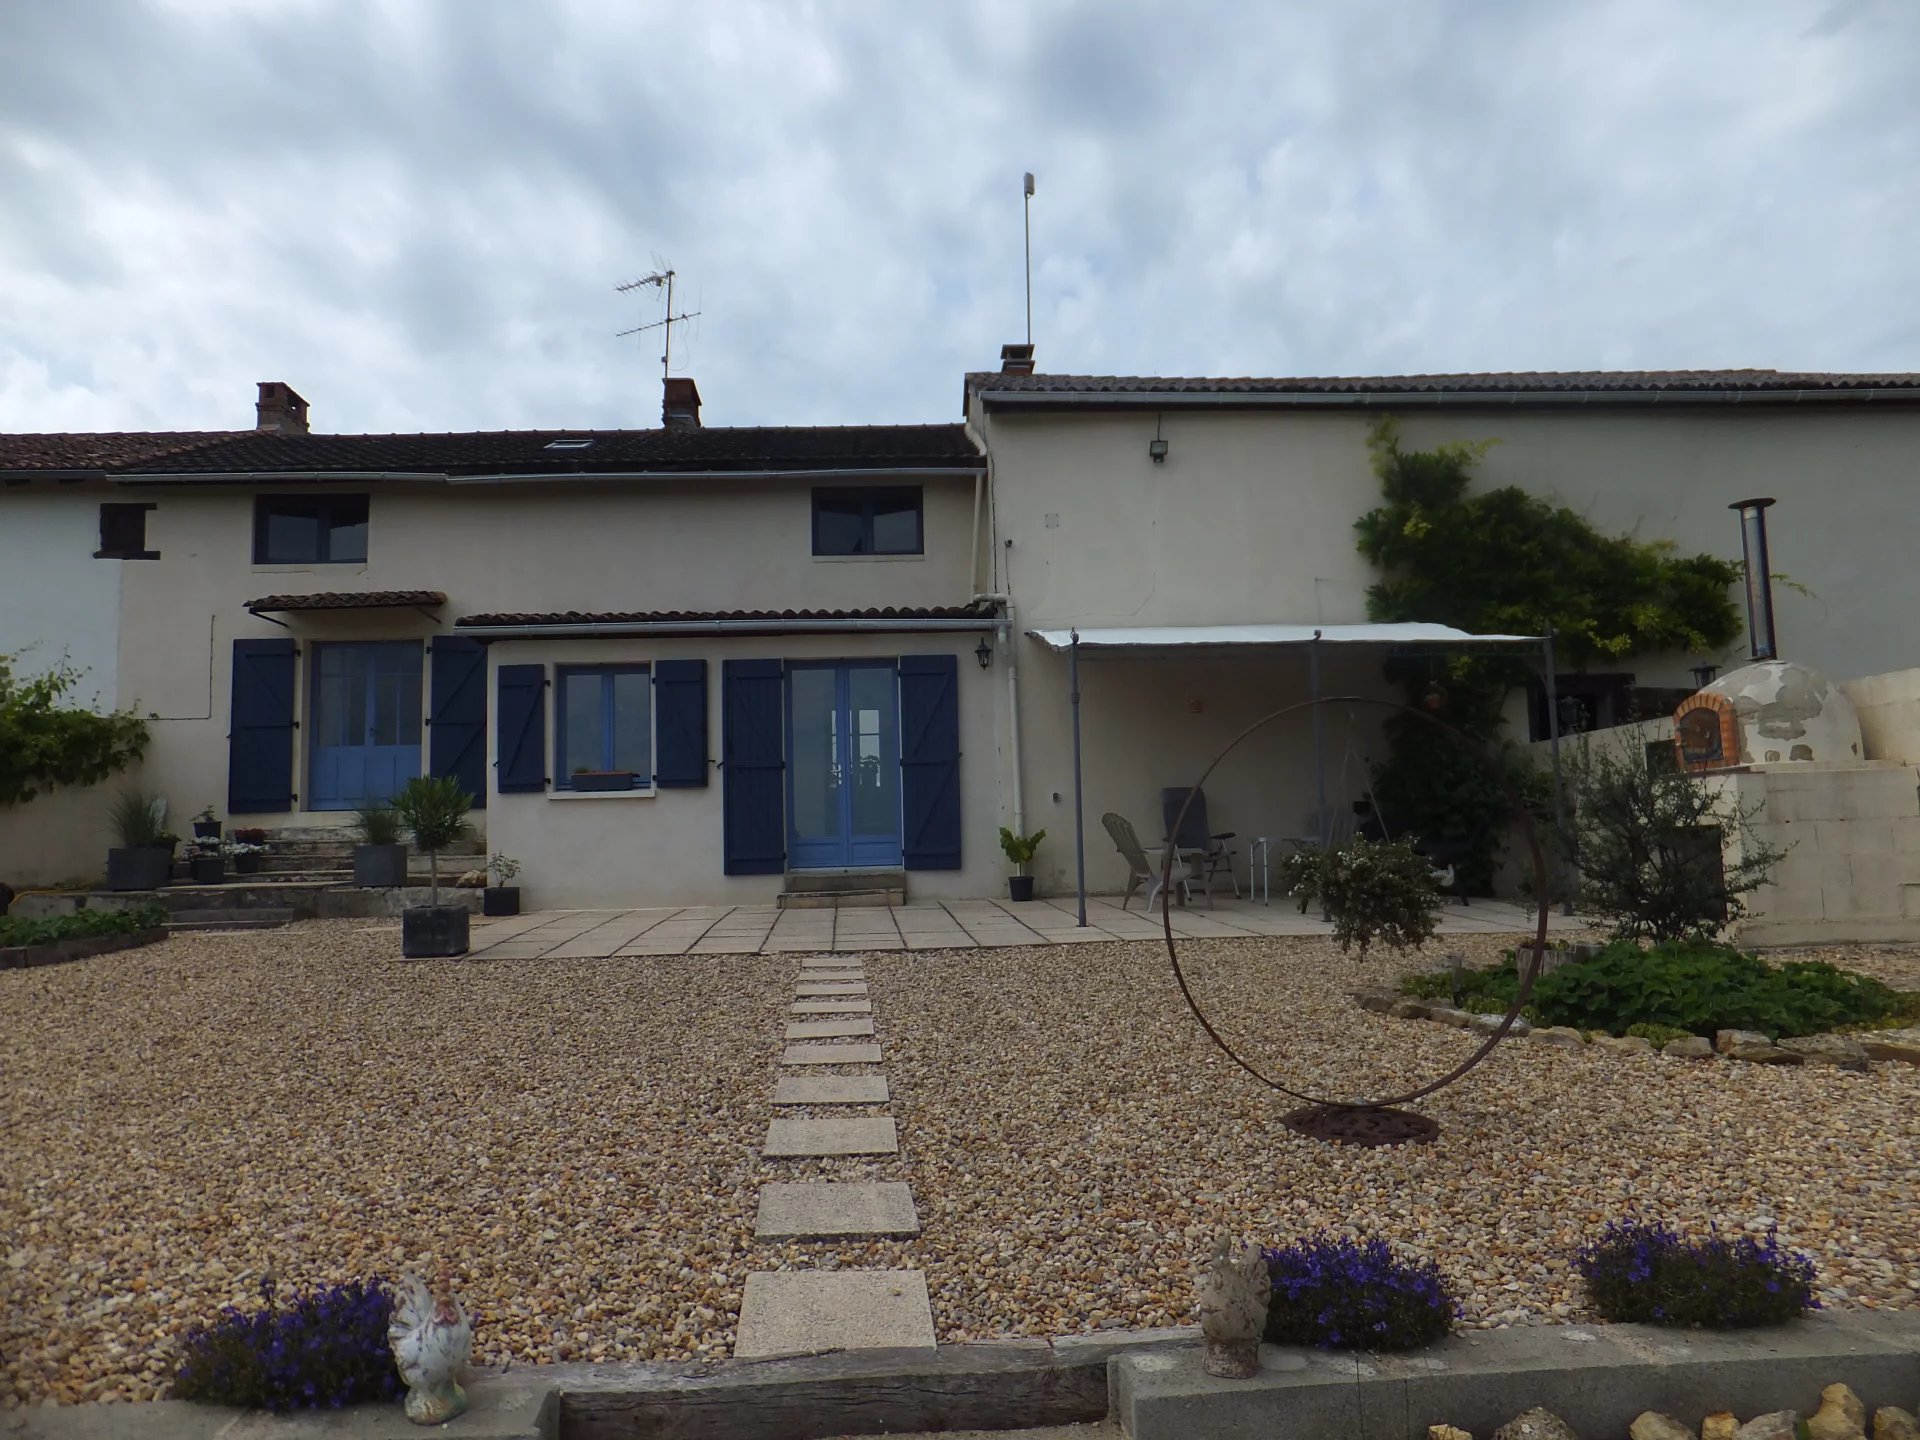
x=1157 y=447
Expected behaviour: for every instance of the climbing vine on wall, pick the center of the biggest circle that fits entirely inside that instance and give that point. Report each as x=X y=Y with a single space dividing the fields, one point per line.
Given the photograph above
x=47 y=742
x=1504 y=561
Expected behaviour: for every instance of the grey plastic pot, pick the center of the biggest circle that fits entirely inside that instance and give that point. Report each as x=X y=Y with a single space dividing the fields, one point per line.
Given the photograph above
x=428 y=931
x=379 y=867
x=146 y=868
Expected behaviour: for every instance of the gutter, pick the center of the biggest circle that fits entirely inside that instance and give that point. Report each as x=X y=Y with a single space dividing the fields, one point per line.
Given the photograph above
x=617 y=629
x=1242 y=399
x=303 y=477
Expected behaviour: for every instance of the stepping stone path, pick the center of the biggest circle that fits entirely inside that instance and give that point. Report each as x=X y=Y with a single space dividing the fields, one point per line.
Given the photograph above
x=787 y=1312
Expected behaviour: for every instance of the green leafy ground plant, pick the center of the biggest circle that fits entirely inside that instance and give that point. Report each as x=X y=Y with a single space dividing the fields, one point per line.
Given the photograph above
x=80 y=925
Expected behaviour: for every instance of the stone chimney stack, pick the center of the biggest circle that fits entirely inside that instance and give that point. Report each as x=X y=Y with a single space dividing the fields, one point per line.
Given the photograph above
x=1016 y=359
x=280 y=409
x=680 y=403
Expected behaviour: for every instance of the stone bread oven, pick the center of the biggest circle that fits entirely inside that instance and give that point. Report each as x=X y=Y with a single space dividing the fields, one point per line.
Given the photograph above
x=1773 y=712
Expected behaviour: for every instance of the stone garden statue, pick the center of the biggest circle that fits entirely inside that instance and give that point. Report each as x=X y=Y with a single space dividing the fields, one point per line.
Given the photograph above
x=432 y=1339
x=1234 y=1288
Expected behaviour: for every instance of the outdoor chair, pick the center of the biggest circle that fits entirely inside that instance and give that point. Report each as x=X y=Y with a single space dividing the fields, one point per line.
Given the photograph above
x=1211 y=851
x=1138 y=866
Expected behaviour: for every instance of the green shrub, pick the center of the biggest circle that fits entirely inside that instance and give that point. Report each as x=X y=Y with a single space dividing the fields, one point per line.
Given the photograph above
x=378 y=824
x=1680 y=988
x=1382 y=891
x=134 y=815
x=82 y=924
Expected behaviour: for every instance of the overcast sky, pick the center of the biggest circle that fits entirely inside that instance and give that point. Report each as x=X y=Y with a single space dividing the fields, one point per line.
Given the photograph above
x=416 y=212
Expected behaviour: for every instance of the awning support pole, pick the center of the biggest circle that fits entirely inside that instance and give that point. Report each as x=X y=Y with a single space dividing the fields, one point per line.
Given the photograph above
x=1319 y=740
x=1079 y=805
x=1553 y=746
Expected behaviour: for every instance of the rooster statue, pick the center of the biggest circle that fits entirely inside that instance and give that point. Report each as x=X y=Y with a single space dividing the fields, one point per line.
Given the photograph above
x=431 y=1338
x=1234 y=1289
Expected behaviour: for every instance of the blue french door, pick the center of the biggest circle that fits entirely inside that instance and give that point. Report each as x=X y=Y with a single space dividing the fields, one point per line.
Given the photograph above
x=366 y=722
x=843 y=766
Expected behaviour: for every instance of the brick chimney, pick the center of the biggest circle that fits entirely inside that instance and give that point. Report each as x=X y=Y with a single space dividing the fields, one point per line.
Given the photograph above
x=1016 y=359
x=280 y=408
x=680 y=403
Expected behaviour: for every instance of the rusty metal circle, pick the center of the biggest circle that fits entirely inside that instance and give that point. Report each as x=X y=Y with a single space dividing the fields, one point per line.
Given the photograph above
x=1365 y=1125
x=1529 y=969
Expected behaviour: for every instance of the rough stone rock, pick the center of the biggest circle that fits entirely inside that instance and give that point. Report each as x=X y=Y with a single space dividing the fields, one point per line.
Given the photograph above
x=471 y=880
x=1774 y=1425
x=1694 y=1047
x=1487 y=1024
x=1410 y=1010
x=1652 y=1425
x=1381 y=1002
x=1764 y=1054
x=1721 y=1425
x=1890 y=1422
x=1447 y=1015
x=1841 y=1416
x=1447 y=1432
x=1839 y=1050
x=1536 y=1424
x=1901 y=1045
x=1625 y=1044
x=1564 y=1036
x=1725 y=1040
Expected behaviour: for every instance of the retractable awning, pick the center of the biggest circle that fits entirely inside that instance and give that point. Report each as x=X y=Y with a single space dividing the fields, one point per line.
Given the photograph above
x=1131 y=637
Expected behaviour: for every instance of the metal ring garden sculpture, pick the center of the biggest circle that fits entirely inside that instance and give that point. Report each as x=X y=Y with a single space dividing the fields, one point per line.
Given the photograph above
x=1363 y=1122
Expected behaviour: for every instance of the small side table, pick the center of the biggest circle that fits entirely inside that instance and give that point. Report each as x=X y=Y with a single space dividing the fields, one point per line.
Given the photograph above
x=1263 y=846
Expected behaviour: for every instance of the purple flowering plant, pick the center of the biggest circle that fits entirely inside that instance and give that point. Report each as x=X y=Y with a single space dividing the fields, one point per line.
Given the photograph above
x=319 y=1350
x=1338 y=1293
x=1648 y=1272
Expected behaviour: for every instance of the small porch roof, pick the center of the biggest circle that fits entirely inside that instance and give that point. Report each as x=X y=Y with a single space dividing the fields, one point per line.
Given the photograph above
x=1132 y=637
x=349 y=600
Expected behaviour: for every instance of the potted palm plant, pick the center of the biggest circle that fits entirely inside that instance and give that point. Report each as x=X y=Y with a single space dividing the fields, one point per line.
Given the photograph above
x=1020 y=850
x=380 y=860
x=501 y=898
x=142 y=860
x=434 y=810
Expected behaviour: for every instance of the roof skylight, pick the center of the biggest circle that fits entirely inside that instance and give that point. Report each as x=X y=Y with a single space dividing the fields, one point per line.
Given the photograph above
x=569 y=444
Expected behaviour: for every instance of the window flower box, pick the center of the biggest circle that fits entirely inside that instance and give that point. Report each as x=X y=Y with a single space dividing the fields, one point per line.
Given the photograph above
x=603 y=780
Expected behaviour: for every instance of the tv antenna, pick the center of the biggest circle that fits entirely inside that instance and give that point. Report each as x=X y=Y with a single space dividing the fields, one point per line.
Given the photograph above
x=663 y=281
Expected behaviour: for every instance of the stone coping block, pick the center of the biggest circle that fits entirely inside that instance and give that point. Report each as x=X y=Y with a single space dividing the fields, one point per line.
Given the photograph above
x=858 y=1135
x=831 y=1090
x=828 y=962
x=831 y=1055
x=832 y=987
x=828 y=1029
x=1595 y=1377
x=831 y=1210
x=792 y=1312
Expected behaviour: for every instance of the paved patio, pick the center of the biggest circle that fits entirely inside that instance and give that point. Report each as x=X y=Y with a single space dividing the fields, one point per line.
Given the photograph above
x=951 y=925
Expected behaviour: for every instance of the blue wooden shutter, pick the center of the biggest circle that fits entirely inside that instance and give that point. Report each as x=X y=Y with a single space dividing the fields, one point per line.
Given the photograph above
x=680 y=722
x=260 y=732
x=930 y=761
x=520 y=760
x=754 y=785
x=457 y=724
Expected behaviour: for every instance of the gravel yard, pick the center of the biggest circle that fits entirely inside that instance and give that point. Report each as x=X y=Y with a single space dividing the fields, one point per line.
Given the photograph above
x=578 y=1141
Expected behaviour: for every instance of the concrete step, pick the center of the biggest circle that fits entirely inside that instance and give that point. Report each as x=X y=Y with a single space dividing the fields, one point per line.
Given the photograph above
x=199 y=921
x=841 y=899
x=825 y=881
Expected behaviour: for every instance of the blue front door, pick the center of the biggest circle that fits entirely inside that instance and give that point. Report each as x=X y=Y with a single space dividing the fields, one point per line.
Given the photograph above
x=366 y=722
x=843 y=766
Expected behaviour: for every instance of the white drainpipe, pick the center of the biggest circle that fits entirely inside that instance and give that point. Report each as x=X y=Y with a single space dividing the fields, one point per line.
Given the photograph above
x=1010 y=646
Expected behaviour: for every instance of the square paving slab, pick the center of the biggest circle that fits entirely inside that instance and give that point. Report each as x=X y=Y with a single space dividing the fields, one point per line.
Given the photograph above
x=828 y=1029
x=841 y=1005
x=828 y=962
x=788 y=1312
x=830 y=987
x=831 y=1055
x=831 y=1090
x=873 y=1135
x=832 y=1209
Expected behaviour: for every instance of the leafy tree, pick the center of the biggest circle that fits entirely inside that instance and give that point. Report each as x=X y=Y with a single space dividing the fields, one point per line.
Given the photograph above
x=1649 y=847
x=1506 y=562
x=47 y=742
x=434 y=808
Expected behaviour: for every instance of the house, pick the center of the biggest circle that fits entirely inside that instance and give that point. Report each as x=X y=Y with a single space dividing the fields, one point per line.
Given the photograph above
x=675 y=663
x=1147 y=512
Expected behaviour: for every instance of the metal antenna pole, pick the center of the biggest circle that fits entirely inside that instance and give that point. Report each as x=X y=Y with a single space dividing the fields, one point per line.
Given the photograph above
x=1026 y=208
x=663 y=280
x=1079 y=804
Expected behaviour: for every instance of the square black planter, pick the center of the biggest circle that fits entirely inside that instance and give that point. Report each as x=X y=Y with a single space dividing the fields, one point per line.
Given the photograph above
x=500 y=900
x=1020 y=887
x=247 y=864
x=602 y=780
x=379 y=867
x=206 y=829
x=145 y=868
x=208 y=869
x=427 y=931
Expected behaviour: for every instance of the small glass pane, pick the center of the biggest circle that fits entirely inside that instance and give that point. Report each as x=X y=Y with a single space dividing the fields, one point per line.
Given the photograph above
x=347 y=529
x=633 y=725
x=581 y=735
x=896 y=524
x=291 y=535
x=815 y=758
x=839 y=526
x=875 y=743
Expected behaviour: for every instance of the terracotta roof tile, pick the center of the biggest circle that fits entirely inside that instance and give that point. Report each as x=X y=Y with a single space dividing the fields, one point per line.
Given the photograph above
x=348 y=600
x=983 y=612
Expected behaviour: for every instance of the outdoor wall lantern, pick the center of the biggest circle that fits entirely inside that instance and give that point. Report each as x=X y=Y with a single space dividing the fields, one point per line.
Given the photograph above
x=1157 y=447
x=1703 y=675
x=983 y=652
